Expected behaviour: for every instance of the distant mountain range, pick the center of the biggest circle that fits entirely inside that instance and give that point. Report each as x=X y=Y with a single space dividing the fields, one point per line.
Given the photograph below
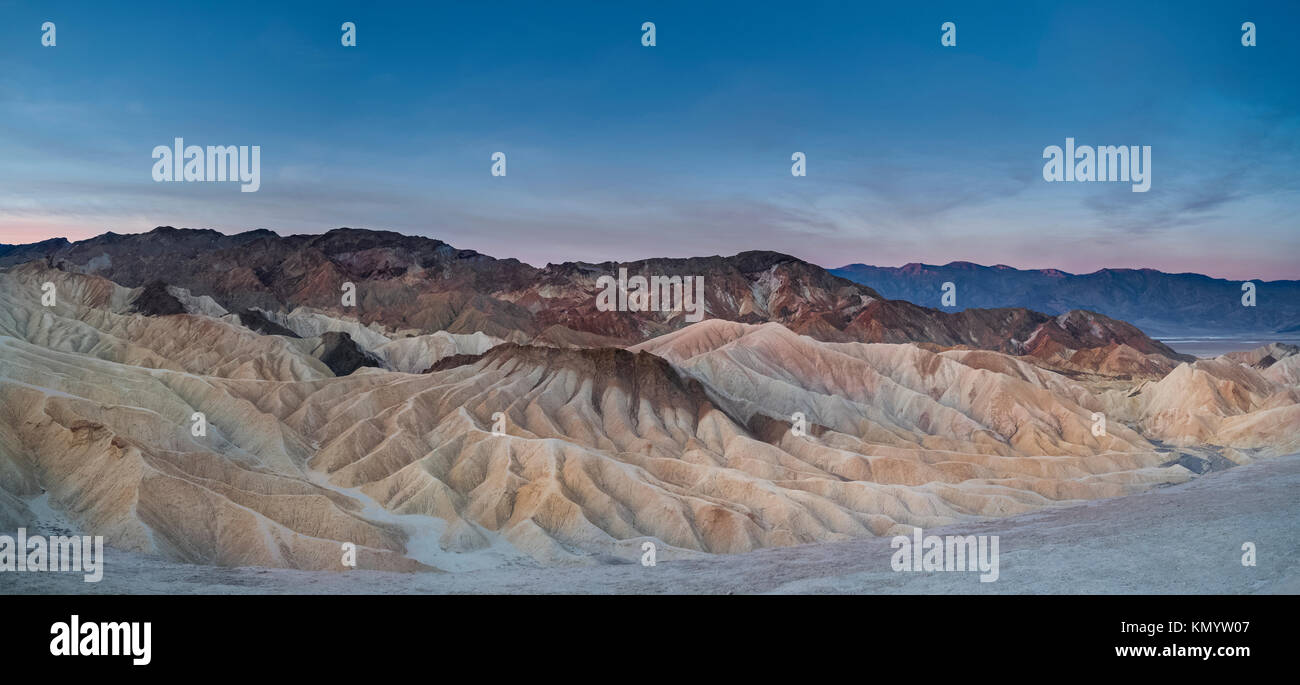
x=1161 y=304
x=416 y=285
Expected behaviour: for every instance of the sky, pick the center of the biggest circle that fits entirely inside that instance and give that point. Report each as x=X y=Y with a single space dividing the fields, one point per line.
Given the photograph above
x=916 y=152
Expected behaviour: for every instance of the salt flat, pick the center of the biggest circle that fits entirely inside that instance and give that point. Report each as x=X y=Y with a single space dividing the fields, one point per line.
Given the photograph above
x=1183 y=539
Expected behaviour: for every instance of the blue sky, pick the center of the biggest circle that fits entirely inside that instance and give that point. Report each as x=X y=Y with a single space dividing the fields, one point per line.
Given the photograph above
x=916 y=152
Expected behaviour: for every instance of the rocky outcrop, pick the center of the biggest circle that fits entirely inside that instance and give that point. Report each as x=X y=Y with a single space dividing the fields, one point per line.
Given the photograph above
x=154 y=300
x=341 y=354
x=257 y=321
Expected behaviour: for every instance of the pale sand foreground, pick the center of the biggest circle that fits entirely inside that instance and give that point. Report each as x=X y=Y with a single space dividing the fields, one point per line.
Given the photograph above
x=1183 y=539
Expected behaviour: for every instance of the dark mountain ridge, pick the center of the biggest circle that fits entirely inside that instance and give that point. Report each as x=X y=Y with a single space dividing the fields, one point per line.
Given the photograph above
x=418 y=284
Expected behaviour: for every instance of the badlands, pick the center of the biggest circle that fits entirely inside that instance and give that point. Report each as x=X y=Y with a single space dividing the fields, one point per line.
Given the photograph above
x=472 y=413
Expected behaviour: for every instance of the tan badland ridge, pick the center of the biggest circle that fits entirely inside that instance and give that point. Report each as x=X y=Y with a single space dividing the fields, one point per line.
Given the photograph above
x=684 y=439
